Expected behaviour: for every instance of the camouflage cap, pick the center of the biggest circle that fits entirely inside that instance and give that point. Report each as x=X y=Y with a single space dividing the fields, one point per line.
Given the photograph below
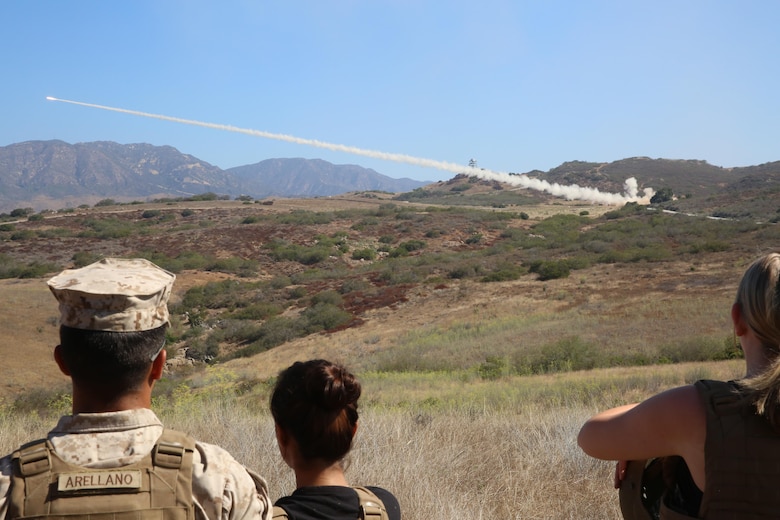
x=114 y=294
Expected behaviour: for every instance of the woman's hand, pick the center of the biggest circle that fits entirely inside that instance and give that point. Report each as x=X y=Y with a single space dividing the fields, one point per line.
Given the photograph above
x=620 y=472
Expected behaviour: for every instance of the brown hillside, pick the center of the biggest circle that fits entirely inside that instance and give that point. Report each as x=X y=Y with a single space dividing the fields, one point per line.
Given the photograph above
x=618 y=305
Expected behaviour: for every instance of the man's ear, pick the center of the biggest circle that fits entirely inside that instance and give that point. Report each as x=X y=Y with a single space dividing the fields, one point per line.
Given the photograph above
x=158 y=366
x=60 y=361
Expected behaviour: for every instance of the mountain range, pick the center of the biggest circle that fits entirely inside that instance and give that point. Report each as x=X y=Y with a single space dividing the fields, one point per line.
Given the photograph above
x=55 y=174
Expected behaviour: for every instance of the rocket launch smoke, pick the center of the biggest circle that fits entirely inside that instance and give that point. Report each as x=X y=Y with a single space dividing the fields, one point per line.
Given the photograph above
x=569 y=192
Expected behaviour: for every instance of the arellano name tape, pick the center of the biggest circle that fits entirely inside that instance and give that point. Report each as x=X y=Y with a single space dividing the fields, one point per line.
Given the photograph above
x=113 y=479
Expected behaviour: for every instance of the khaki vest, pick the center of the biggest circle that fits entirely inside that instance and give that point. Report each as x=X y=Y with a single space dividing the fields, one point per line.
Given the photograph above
x=158 y=487
x=371 y=507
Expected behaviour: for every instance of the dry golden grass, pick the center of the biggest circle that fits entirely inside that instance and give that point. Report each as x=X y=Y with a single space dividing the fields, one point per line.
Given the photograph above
x=29 y=334
x=469 y=456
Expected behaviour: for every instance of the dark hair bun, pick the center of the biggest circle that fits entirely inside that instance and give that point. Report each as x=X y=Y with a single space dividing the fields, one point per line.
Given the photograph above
x=340 y=388
x=316 y=402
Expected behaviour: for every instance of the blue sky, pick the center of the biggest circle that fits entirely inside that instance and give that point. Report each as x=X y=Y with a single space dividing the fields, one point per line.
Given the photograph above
x=516 y=85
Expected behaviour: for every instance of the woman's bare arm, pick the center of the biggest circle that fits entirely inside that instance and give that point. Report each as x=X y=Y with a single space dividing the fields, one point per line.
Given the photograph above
x=670 y=423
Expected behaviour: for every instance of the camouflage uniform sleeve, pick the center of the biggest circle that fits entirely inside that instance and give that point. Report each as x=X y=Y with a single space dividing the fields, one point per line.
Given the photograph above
x=223 y=489
x=6 y=469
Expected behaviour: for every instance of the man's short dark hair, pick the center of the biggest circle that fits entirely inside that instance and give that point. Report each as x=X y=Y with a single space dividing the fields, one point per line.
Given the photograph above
x=112 y=361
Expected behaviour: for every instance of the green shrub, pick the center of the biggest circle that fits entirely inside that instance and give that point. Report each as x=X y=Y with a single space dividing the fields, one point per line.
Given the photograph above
x=493 y=368
x=699 y=349
x=208 y=196
x=257 y=311
x=183 y=261
x=235 y=265
x=21 y=212
x=404 y=248
x=550 y=269
x=23 y=234
x=710 y=246
x=296 y=292
x=84 y=258
x=364 y=223
x=413 y=245
x=302 y=254
x=10 y=268
x=330 y=297
x=203 y=349
x=353 y=285
x=279 y=282
x=300 y=217
x=107 y=228
x=464 y=271
x=225 y=294
x=365 y=253
x=562 y=356
x=504 y=272
x=324 y=316
x=273 y=332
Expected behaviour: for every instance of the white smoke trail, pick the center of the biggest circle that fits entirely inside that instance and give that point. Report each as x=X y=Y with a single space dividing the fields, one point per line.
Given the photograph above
x=569 y=192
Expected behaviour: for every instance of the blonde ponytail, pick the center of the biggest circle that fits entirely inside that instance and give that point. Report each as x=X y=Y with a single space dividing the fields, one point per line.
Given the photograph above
x=758 y=297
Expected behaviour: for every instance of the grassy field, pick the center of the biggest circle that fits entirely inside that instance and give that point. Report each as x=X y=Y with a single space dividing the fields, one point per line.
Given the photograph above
x=470 y=448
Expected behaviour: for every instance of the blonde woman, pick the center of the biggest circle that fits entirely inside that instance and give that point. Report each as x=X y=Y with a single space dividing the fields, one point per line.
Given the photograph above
x=726 y=434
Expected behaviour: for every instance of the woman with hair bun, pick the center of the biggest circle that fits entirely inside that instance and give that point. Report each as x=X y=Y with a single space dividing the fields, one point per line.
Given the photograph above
x=717 y=442
x=315 y=408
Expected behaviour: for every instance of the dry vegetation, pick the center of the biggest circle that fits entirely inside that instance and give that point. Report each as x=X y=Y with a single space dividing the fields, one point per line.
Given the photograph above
x=470 y=405
x=513 y=459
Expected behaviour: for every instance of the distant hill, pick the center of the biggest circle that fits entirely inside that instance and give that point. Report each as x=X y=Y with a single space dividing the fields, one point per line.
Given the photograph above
x=682 y=176
x=314 y=178
x=696 y=186
x=55 y=174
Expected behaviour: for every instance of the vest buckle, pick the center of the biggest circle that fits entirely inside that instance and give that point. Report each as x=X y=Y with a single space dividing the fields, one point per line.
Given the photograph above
x=167 y=455
x=34 y=460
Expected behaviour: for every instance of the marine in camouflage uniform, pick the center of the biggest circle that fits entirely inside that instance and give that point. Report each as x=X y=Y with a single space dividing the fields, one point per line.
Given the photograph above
x=118 y=295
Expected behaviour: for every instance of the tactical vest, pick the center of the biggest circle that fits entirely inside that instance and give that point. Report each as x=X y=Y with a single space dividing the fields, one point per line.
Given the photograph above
x=158 y=487
x=742 y=465
x=742 y=457
x=371 y=507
